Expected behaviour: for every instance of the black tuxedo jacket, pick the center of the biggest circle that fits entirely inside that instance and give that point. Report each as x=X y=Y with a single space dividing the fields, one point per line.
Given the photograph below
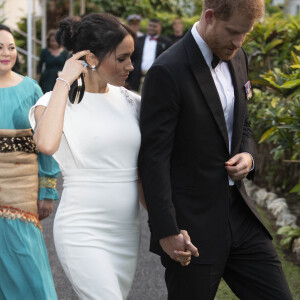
x=136 y=58
x=185 y=147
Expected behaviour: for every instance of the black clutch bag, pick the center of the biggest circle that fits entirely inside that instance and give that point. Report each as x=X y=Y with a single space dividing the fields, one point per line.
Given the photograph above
x=77 y=90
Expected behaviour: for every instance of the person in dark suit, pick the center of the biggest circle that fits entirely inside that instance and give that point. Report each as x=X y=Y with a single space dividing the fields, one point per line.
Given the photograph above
x=147 y=49
x=196 y=149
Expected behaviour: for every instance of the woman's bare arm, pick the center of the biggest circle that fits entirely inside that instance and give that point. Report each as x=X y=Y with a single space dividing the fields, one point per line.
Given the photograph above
x=50 y=119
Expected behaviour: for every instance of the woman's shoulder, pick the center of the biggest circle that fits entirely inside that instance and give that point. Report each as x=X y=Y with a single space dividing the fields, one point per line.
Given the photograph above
x=44 y=52
x=32 y=84
x=30 y=81
x=134 y=96
x=65 y=52
x=44 y=99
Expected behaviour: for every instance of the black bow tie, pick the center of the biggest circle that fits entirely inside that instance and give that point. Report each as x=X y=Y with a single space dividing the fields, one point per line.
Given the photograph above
x=215 y=61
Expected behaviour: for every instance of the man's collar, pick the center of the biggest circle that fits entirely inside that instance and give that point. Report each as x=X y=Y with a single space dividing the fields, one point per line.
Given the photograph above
x=151 y=38
x=206 y=52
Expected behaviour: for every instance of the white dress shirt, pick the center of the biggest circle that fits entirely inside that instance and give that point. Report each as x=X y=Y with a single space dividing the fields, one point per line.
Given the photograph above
x=222 y=79
x=149 y=53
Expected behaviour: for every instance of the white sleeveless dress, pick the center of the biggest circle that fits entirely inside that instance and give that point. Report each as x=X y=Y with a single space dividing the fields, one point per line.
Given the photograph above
x=97 y=227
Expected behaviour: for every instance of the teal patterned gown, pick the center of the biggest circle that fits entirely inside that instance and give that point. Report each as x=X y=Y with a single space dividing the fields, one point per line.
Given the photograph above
x=24 y=267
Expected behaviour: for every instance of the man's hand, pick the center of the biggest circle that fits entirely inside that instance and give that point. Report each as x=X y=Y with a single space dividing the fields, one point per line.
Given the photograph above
x=184 y=257
x=45 y=208
x=179 y=247
x=239 y=166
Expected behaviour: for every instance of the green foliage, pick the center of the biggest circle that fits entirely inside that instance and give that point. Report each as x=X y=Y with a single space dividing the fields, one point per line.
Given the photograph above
x=145 y=8
x=275 y=108
x=280 y=118
x=2 y=20
x=289 y=235
x=121 y=8
x=270 y=43
x=296 y=189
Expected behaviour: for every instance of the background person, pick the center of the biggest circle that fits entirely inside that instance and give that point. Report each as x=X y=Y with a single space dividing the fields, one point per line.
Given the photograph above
x=147 y=49
x=196 y=148
x=134 y=22
x=25 y=177
x=178 y=33
x=51 y=61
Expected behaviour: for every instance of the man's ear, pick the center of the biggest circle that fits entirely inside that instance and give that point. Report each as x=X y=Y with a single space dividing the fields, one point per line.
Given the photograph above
x=209 y=16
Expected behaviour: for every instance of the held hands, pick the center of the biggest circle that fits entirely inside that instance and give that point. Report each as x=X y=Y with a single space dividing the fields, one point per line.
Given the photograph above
x=74 y=67
x=179 y=247
x=239 y=166
x=45 y=208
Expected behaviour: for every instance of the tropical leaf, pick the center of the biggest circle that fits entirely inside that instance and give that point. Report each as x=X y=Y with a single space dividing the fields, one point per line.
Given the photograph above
x=295 y=58
x=284 y=230
x=295 y=66
x=267 y=134
x=274 y=102
x=272 y=45
x=291 y=84
x=285 y=242
x=296 y=189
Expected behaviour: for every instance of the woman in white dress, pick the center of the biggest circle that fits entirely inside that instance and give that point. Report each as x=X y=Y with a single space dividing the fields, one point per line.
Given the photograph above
x=96 y=143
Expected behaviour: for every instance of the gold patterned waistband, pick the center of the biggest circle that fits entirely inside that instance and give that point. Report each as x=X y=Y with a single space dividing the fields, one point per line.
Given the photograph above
x=12 y=213
x=47 y=182
x=23 y=144
x=12 y=140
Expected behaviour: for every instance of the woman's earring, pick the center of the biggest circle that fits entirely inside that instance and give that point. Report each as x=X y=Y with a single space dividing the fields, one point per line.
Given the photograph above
x=93 y=67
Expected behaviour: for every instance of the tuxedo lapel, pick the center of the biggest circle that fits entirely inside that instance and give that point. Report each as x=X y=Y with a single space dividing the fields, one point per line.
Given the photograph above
x=206 y=83
x=237 y=77
x=141 y=42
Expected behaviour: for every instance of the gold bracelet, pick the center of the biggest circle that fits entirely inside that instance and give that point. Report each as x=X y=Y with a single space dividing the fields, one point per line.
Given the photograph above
x=64 y=80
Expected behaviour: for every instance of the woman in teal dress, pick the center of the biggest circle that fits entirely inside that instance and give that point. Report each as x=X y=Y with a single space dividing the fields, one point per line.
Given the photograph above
x=25 y=177
x=52 y=60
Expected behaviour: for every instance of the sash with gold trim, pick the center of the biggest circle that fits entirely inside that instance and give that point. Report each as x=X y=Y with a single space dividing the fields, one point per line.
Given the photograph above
x=18 y=176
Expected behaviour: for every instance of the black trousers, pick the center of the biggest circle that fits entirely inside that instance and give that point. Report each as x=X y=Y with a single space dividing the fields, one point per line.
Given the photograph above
x=252 y=269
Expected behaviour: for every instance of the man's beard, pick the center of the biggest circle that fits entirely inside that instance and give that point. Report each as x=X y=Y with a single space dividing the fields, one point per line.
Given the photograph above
x=218 y=48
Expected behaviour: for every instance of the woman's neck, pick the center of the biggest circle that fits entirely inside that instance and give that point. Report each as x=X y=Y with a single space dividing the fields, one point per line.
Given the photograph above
x=94 y=84
x=55 y=51
x=9 y=79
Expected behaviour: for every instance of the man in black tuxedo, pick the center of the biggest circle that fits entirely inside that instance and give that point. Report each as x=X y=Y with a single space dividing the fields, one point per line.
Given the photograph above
x=147 y=49
x=196 y=148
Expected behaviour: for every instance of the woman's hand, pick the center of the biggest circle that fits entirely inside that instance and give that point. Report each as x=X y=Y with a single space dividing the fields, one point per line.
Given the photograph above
x=184 y=257
x=45 y=208
x=74 y=67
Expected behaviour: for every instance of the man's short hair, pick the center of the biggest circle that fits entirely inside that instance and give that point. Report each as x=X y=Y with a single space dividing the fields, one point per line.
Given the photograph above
x=154 y=20
x=224 y=9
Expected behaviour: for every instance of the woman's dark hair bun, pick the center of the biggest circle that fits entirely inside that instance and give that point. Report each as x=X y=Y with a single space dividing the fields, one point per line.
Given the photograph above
x=66 y=34
x=98 y=32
